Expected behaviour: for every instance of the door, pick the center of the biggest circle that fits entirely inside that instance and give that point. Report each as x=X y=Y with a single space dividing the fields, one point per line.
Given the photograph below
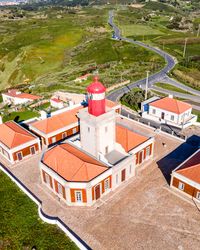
x=32 y=150
x=140 y=157
x=97 y=192
x=163 y=115
x=19 y=156
x=123 y=174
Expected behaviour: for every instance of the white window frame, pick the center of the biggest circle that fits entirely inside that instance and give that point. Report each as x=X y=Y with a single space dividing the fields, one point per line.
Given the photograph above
x=77 y=193
x=106 y=185
x=130 y=169
x=60 y=188
x=172 y=117
x=116 y=178
x=34 y=150
x=106 y=149
x=53 y=139
x=181 y=185
x=153 y=111
x=20 y=152
x=74 y=131
x=198 y=195
x=47 y=178
x=148 y=149
x=64 y=135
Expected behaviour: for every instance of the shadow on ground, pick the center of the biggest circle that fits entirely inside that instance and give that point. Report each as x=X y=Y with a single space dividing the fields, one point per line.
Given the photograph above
x=176 y=157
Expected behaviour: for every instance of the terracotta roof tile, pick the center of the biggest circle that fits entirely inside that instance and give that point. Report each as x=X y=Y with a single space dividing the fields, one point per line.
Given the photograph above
x=13 y=135
x=171 y=105
x=129 y=139
x=191 y=168
x=73 y=164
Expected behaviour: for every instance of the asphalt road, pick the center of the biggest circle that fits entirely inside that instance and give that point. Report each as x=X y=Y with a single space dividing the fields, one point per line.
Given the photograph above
x=157 y=77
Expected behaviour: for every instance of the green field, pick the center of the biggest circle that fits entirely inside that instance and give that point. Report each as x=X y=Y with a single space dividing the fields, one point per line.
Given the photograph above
x=20 y=226
x=139 y=30
x=170 y=87
x=20 y=116
x=57 y=50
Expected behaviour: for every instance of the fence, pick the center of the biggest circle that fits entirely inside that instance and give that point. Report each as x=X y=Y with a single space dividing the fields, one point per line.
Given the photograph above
x=46 y=218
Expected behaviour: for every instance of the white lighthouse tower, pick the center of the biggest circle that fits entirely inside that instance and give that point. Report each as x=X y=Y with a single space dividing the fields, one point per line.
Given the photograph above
x=97 y=125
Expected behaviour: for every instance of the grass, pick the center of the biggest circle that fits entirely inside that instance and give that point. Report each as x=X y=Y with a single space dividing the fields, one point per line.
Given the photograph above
x=196 y=112
x=139 y=30
x=20 y=116
x=170 y=87
x=20 y=226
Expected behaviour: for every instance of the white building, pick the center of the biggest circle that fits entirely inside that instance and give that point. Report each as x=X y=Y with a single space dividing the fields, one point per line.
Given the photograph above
x=99 y=159
x=170 y=111
x=16 y=97
x=56 y=103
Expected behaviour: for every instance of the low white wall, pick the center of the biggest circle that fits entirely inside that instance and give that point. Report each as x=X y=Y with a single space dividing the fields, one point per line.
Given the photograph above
x=46 y=218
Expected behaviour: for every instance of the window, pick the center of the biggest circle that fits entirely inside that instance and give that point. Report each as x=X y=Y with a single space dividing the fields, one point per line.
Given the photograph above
x=32 y=149
x=78 y=196
x=47 y=178
x=88 y=129
x=19 y=156
x=130 y=169
x=116 y=178
x=64 y=135
x=106 y=149
x=181 y=186
x=154 y=111
x=106 y=184
x=60 y=190
x=148 y=151
x=198 y=195
x=106 y=129
x=74 y=130
x=53 y=139
x=172 y=117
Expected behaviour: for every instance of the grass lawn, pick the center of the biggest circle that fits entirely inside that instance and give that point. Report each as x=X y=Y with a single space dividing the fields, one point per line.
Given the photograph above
x=170 y=87
x=139 y=30
x=20 y=226
x=20 y=116
x=196 y=112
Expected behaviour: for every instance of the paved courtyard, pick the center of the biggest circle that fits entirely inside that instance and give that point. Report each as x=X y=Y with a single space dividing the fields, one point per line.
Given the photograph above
x=141 y=214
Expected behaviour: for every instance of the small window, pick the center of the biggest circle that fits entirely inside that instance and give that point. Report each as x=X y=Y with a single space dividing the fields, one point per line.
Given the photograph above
x=19 y=156
x=148 y=151
x=198 y=195
x=88 y=129
x=154 y=111
x=106 y=184
x=32 y=150
x=106 y=149
x=60 y=190
x=53 y=139
x=181 y=186
x=74 y=130
x=78 y=196
x=64 y=135
x=116 y=178
x=130 y=169
x=47 y=178
x=172 y=117
x=106 y=129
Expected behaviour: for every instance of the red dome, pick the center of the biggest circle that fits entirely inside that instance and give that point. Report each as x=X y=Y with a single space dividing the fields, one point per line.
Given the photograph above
x=96 y=87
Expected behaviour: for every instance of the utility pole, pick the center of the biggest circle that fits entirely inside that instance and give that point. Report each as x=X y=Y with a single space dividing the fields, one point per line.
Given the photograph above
x=184 y=50
x=147 y=82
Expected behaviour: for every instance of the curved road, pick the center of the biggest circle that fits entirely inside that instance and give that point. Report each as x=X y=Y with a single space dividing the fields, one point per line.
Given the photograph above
x=157 y=77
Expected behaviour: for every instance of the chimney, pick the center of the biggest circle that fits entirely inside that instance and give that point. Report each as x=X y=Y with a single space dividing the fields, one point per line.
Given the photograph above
x=43 y=114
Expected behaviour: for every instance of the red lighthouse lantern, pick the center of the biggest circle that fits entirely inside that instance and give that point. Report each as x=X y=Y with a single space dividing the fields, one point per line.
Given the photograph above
x=96 y=98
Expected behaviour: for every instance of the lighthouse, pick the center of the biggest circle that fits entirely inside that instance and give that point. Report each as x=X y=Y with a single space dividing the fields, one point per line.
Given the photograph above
x=96 y=97
x=97 y=124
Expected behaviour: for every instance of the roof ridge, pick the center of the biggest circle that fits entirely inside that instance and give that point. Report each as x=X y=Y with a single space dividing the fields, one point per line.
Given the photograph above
x=189 y=167
x=83 y=163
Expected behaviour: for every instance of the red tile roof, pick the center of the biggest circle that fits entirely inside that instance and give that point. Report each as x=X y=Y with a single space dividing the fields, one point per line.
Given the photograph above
x=191 y=168
x=111 y=104
x=72 y=164
x=57 y=122
x=13 y=135
x=171 y=105
x=128 y=139
x=56 y=100
x=13 y=93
